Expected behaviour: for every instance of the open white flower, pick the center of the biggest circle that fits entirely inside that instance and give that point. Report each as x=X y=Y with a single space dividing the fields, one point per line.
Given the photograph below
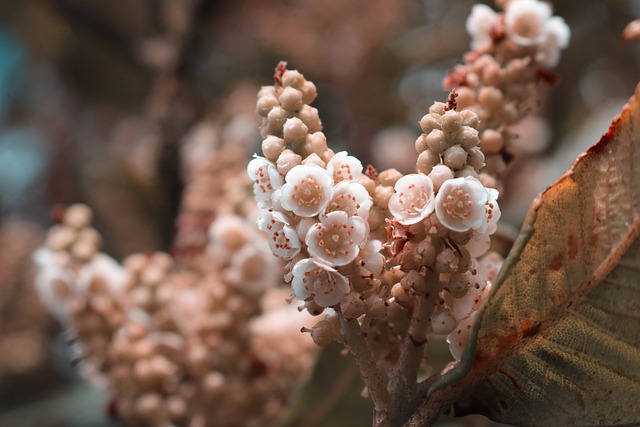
x=344 y=167
x=312 y=279
x=307 y=190
x=283 y=239
x=480 y=24
x=372 y=260
x=253 y=269
x=493 y=213
x=352 y=198
x=525 y=21
x=266 y=179
x=336 y=238
x=413 y=200
x=461 y=204
x=556 y=38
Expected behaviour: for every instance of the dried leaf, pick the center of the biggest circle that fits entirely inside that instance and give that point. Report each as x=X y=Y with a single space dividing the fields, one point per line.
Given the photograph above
x=559 y=340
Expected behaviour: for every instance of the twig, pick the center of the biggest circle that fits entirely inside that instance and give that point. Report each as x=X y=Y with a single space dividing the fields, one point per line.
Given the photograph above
x=371 y=375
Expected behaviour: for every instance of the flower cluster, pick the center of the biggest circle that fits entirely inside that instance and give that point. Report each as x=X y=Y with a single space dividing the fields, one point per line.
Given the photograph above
x=185 y=340
x=512 y=52
x=317 y=205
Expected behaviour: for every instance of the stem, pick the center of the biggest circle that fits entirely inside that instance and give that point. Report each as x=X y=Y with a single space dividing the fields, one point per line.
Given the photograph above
x=371 y=375
x=402 y=385
x=433 y=407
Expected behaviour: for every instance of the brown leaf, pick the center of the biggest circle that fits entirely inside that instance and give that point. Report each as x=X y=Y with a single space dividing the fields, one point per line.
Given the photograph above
x=558 y=343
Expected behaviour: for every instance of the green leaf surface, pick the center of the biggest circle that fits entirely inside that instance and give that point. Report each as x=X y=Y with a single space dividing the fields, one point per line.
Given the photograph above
x=558 y=343
x=332 y=396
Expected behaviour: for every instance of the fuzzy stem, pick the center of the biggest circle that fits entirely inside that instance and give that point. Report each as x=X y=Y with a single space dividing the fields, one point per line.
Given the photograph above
x=402 y=385
x=372 y=377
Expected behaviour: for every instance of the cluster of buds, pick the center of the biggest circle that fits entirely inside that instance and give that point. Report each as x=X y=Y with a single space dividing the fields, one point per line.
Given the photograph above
x=317 y=201
x=194 y=339
x=513 y=51
x=442 y=218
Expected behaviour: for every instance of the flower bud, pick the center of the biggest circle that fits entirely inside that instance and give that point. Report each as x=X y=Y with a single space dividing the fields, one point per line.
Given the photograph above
x=290 y=99
x=293 y=78
x=287 y=161
x=439 y=174
x=294 y=131
x=455 y=157
x=309 y=92
x=437 y=141
x=451 y=122
x=426 y=161
x=272 y=146
x=265 y=104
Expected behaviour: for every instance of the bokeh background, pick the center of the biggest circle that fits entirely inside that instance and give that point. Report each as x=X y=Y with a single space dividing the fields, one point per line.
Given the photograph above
x=96 y=96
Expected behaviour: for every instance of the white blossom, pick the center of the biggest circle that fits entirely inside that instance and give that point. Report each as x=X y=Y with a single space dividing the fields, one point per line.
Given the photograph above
x=312 y=279
x=525 y=21
x=493 y=213
x=253 y=268
x=413 y=199
x=352 y=198
x=344 y=167
x=480 y=23
x=336 y=238
x=461 y=204
x=266 y=179
x=372 y=260
x=460 y=336
x=307 y=190
x=283 y=239
x=54 y=283
x=557 y=36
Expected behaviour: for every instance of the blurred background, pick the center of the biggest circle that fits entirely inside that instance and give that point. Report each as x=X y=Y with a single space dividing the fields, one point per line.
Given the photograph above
x=95 y=97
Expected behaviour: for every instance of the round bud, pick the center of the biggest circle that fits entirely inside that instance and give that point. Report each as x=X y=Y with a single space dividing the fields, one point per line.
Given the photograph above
x=465 y=99
x=309 y=92
x=313 y=159
x=429 y=123
x=60 y=237
x=275 y=119
x=290 y=99
x=287 y=160
x=382 y=197
x=310 y=117
x=272 y=146
x=468 y=137
x=313 y=308
x=293 y=78
x=426 y=161
x=315 y=143
x=475 y=158
x=466 y=171
x=265 y=104
x=437 y=141
x=455 y=157
x=437 y=109
x=389 y=177
x=400 y=295
x=491 y=141
x=78 y=216
x=490 y=97
x=294 y=131
x=439 y=174
x=421 y=143
x=414 y=283
x=322 y=334
x=469 y=118
x=451 y=121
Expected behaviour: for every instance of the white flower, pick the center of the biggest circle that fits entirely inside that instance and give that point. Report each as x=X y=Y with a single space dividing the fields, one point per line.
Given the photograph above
x=101 y=271
x=557 y=36
x=372 y=260
x=266 y=179
x=525 y=21
x=480 y=24
x=461 y=204
x=283 y=239
x=253 y=269
x=352 y=198
x=493 y=213
x=307 y=190
x=55 y=284
x=460 y=336
x=344 y=167
x=336 y=238
x=315 y=280
x=413 y=200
